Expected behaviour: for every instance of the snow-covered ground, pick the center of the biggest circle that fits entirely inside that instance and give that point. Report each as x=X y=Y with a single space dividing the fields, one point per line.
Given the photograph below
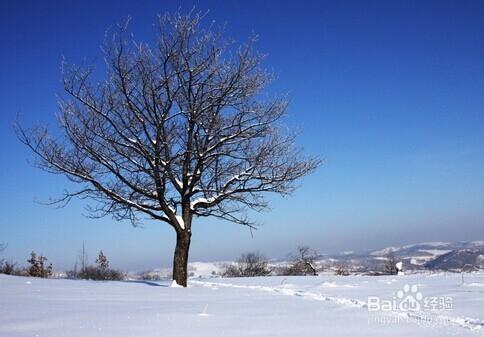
x=326 y=305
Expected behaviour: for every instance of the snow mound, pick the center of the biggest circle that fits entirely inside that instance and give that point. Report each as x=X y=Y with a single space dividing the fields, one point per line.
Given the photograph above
x=174 y=284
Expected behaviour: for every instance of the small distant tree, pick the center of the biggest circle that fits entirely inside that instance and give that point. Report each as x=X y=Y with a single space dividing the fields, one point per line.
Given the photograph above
x=7 y=267
x=303 y=262
x=38 y=266
x=102 y=261
x=2 y=248
x=150 y=275
x=82 y=257
x=34 y=269
x=248 y=265
x=341 y=270
x=80 y=265
x=390 y=266
x=467 y=268
x=99 y=272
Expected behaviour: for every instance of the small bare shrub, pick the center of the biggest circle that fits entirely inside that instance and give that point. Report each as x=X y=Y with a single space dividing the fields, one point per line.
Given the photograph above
x=341 y=270
x=151 y=276
x=248 y=265
x=2 y=261
x=8 y=267
x=38 y=266
x=303 y=263
x=98 y=272
x=102 y=261
x=390 y=266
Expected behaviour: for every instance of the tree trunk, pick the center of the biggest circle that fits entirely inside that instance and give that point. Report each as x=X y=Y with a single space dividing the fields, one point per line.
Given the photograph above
x=180 y=260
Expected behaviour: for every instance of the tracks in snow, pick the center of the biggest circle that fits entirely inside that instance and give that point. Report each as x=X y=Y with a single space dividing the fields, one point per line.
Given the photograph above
x=463 y=322
x=288 y=292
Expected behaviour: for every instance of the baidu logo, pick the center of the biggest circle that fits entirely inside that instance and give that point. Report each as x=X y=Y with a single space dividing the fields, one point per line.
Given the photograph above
x=409 y=298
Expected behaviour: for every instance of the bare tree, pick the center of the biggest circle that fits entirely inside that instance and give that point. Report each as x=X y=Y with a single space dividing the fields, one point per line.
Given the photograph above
x=102 y=261
x=99 y=272
x=38 y=266
x=3 y=246
x=307 y=257
x=248 y=265
x=176 y=130
x=390 y=265
x=303 y=262
x=82 y=257
x=341 y=270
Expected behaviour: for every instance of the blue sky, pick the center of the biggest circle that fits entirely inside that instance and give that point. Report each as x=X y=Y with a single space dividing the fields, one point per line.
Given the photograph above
x=390 y=94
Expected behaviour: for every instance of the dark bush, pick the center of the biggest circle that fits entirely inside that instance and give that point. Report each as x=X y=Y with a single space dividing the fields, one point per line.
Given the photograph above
x=8 y=267
x=99 y=272
x=38 y=266
x=390 y=266
x=248 y=265
x=151 y=276
x=341 y=270
x=304 y=263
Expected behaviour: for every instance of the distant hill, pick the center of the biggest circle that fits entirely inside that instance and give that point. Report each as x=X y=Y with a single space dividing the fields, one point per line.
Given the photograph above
x=418 y=256
x=459 y=259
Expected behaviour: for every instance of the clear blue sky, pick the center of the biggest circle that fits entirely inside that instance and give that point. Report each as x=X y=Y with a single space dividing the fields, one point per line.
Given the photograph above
x=390 y=94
